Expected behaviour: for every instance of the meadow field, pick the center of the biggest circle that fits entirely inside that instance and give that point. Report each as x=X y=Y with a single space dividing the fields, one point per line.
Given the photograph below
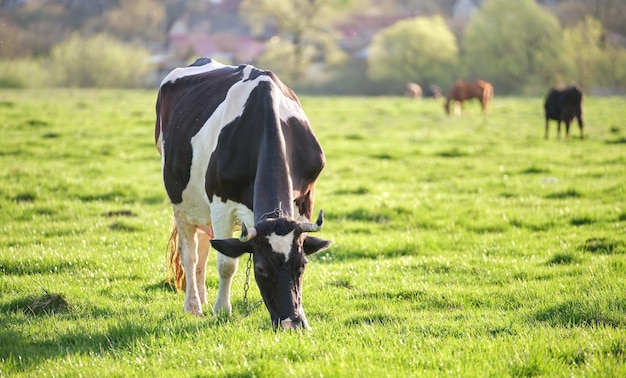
x=462 y=247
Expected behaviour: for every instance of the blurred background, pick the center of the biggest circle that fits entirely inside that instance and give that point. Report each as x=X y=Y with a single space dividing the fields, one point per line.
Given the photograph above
x=333 y=47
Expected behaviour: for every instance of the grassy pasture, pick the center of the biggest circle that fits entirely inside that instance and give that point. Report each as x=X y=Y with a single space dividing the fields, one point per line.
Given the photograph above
x=463 y=246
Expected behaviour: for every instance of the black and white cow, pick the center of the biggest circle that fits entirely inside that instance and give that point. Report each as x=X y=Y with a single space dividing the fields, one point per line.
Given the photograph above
x=563 y=105
x=236 y=146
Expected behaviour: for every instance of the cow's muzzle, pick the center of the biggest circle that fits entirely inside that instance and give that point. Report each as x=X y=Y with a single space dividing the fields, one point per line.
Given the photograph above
x=292 y=323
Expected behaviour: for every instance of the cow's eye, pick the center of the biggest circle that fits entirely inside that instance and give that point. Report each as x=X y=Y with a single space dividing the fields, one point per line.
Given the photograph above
x=260 y=271
x=301 y=269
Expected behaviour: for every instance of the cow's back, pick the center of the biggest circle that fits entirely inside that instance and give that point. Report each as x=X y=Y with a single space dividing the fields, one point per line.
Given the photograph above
x=186 y=104
x=212 y=123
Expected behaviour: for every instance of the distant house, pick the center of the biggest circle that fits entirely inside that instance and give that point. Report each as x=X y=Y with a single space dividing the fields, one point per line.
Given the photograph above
x=465 y=8
x=220 y=34
x=358 y=31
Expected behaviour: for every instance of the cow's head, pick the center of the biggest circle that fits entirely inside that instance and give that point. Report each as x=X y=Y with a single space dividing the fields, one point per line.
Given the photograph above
x=279 y=247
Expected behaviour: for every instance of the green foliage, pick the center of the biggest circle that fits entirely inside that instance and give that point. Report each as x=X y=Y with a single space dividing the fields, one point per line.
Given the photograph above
x=23 y=73
x=462 y=246
x=99 y=61
x=138 y=20
x=281 y=56
x=518 y=49
x=585 y=49
x=304 y=32
x=421 y=49
x=597 y=62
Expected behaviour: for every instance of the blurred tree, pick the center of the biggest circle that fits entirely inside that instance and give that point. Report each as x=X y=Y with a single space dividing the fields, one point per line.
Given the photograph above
x=99 y=61
x=132 y=20
x=585 y=48
x=41 y=25
x=12 y=41
x=611 y=13
x=420 y=49
x=300 y=29
x=597 y=62
x=518 y=49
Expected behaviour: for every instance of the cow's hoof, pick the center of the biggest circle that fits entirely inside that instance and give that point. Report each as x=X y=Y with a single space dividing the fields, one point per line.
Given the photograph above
x=194 y=310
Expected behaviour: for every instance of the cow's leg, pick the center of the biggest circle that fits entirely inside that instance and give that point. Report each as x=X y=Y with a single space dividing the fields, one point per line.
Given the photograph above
x=580 y=125
x=547 y=121
x=226 y=268
x=558 y=129
x=204 y=243
x=458 y=106
x=567 y=122
x=187 y=245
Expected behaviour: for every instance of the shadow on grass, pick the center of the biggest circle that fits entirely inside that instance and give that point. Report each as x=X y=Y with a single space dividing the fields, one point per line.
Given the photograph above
x=585 y=312
x=621 y=140
x=452 y=153
x=35 y=266
x=534 y=170
x=570 y=193
x=581 y=221
x=47 y=304
x=21 y=352
x=372 y=320
x=564 y=259
x=164 y=286
x=602 y=246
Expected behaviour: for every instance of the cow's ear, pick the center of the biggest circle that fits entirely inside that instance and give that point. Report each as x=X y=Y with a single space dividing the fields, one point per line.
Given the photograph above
x=313 y=245
x=231 y=247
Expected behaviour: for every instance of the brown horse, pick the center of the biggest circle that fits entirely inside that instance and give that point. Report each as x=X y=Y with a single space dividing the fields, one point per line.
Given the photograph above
x=462 y=91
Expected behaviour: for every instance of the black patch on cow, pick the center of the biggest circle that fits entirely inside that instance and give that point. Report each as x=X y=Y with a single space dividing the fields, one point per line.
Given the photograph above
x=259 y=155
x=191 y=100
x=201 y=62
x=255 y=73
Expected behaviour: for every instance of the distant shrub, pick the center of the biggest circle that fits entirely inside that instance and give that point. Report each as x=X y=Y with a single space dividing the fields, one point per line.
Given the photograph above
x=23 y=73
x=99 y=61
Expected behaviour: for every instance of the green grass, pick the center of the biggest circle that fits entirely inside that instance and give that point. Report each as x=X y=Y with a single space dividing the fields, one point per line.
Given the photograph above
x=463 y=246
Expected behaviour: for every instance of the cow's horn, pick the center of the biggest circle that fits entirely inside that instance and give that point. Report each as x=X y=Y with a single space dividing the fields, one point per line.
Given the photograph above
x=313 y=227
x=247 y=233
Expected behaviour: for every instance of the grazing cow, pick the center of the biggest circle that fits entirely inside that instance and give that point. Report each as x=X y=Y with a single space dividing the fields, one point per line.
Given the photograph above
x=563 y=105
x=462 y=91
x=433 y=91
x=236 y=146
x=413 y=90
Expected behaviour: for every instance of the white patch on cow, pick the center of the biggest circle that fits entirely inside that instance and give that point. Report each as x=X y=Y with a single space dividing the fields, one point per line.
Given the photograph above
x=299 y=217
x=177 y=73
x=281 y=243
x=224 y=214
x=289 y=108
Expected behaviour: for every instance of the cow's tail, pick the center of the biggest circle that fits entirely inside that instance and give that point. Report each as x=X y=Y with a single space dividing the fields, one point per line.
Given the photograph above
x=175 y=271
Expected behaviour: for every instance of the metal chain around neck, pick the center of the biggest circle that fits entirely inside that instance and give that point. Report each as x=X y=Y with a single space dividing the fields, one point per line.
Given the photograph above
x=247 y=308
x=276 y=213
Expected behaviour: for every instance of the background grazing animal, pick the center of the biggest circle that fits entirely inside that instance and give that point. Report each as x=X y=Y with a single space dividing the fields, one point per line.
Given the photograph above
x=413 y=90
x=462 y=91
x=433 y=91
x=563 y=105
x=236 y=146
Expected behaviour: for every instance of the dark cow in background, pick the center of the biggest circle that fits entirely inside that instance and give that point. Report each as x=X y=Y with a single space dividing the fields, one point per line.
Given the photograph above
x=413 y=90
x=462 y=91
x=433 y=91
x=236 y=147
x=563 y=105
